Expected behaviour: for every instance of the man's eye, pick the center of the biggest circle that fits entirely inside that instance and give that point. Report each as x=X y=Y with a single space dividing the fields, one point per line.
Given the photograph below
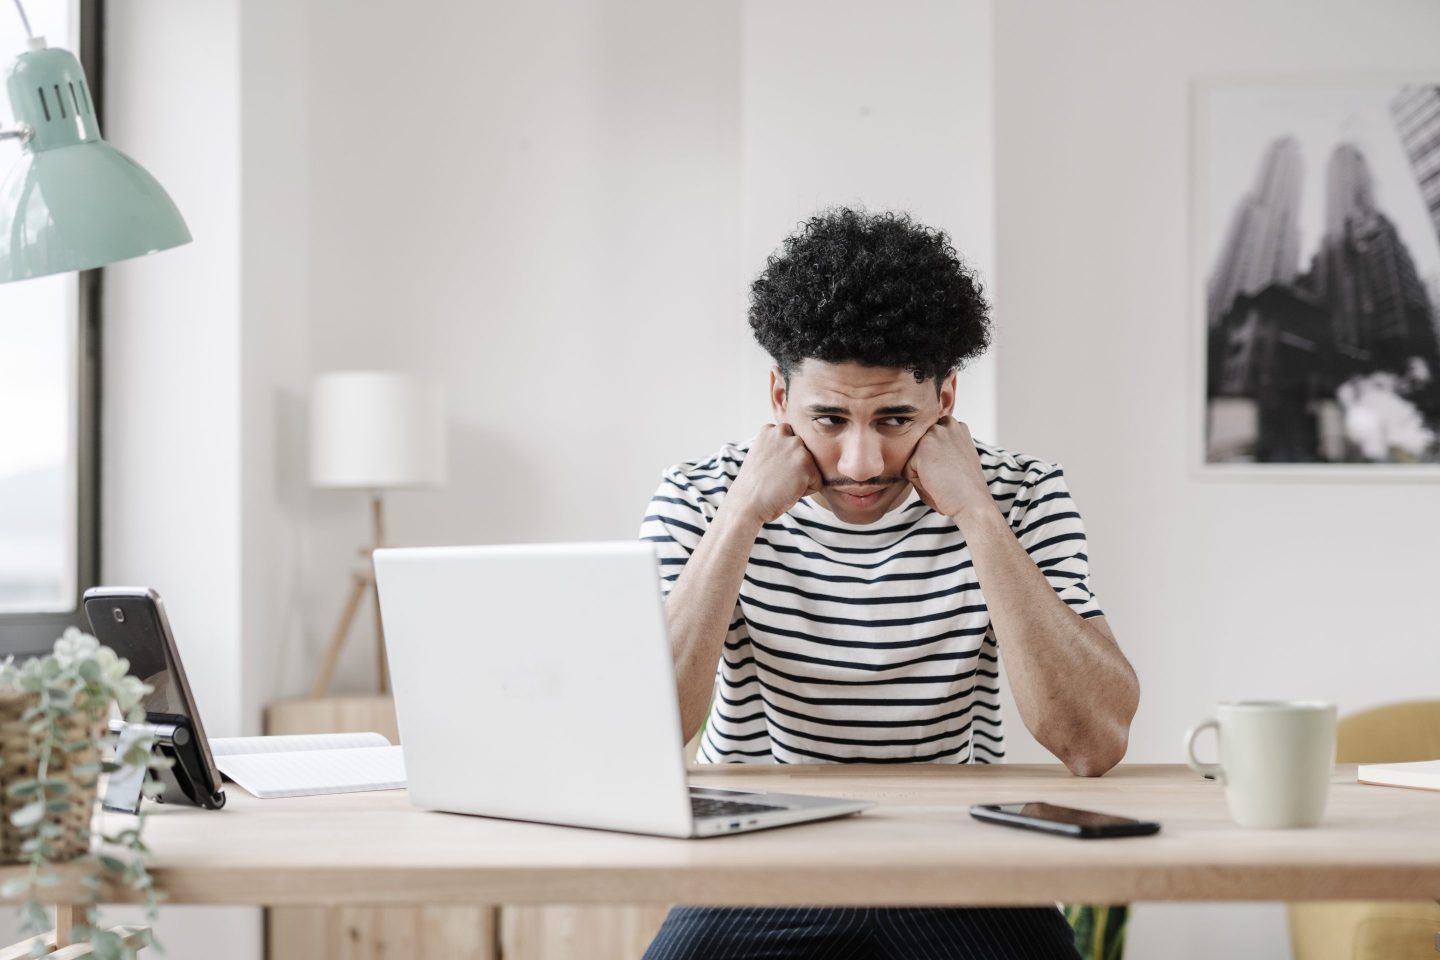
x=898 y=421
x=827 y=421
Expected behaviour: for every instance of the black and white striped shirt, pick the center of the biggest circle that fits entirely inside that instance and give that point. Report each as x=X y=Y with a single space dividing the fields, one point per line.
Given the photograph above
x=865 y=643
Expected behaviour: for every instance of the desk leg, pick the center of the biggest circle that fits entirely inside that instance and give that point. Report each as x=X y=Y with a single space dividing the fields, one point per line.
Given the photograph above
x=66 y=916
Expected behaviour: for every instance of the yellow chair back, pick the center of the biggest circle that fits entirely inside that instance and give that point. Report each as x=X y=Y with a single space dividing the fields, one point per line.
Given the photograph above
x=1395 y=733
x=1355 y=930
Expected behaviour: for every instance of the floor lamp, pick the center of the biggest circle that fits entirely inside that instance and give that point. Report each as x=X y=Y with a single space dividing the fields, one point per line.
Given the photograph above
x=374 y=431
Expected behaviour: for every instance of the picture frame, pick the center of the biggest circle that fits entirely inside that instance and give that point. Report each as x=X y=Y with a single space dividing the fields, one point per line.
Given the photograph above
x=1296 y=374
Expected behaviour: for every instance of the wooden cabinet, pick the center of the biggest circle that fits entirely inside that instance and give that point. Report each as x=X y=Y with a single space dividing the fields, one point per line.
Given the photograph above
x=453 y=933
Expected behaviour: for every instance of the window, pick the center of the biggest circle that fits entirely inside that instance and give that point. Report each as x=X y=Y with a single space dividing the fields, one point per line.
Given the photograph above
x=49 y=423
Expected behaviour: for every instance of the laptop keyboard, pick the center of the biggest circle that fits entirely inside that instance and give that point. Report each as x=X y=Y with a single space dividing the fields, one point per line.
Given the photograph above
x=712 y=807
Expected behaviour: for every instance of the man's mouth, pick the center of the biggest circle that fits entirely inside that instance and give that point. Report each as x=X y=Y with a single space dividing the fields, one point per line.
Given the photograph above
x=864 y=497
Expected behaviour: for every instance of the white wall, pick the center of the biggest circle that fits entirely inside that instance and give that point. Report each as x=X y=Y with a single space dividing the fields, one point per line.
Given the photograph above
x=1215 y=588
x=540 y=211
x=170 y=455
x=886 y=106
x=274 y=346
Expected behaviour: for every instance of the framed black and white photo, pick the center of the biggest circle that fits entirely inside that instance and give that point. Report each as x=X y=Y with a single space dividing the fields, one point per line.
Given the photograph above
x=1317 y=275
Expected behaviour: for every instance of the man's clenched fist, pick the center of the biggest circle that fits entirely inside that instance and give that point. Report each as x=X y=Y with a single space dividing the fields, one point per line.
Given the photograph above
x=777 y=472
x=945 y=470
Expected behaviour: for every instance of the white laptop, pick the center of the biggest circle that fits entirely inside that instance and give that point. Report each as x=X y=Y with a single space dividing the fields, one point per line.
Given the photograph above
x=535 y=682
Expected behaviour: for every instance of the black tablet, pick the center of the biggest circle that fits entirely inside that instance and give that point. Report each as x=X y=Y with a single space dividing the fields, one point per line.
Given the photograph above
x=132 y=622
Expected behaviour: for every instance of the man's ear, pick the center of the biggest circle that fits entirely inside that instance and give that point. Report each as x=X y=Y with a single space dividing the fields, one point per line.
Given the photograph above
x=947 y=395
x=779 y=392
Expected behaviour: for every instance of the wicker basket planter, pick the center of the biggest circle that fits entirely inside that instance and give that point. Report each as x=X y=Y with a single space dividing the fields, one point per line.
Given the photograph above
x=20 y=760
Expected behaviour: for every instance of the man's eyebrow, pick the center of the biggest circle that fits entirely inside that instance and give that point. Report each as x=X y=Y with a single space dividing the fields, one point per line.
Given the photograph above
x=825 y=409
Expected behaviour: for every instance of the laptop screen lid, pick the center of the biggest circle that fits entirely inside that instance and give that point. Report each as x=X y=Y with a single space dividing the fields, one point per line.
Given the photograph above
x=535 y=682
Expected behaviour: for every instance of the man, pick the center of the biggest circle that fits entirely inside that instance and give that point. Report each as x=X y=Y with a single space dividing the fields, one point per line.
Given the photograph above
x=843 y=583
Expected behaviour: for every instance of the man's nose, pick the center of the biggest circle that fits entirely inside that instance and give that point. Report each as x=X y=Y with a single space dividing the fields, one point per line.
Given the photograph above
x=861 y=457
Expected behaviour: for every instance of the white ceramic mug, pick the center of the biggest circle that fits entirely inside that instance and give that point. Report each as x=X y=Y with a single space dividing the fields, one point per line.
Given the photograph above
x=1276 y=759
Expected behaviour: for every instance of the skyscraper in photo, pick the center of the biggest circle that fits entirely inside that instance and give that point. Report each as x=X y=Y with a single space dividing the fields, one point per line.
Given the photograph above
x=1263 y=243
x=1416 y=112
x=1380 y=310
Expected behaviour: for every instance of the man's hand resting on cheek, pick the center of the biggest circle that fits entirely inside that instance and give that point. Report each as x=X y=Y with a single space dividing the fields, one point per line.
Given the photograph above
x=777 y=472
x=945 y=470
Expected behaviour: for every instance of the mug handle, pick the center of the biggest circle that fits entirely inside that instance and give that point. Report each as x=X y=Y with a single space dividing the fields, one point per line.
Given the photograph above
x=1204 y=769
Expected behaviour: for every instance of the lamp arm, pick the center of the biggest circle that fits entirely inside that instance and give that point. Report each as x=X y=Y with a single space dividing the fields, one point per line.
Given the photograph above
x=23 y=132
x=24 y=20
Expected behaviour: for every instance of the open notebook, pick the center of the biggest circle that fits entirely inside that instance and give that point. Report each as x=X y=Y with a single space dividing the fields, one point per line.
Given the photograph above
x=309 y=765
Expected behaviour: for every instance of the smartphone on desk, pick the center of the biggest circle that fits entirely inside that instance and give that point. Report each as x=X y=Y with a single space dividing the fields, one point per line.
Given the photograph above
x=132 y=622
x=1067 y=821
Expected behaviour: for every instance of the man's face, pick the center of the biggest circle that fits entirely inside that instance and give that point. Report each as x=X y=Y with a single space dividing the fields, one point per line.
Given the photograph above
x=860 y=424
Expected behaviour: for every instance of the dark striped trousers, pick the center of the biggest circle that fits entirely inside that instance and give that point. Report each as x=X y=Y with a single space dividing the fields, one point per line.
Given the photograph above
x=863 y=933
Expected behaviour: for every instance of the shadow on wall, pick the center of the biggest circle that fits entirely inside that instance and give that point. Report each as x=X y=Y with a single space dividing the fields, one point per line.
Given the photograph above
x=492 y=495
x=294 y=664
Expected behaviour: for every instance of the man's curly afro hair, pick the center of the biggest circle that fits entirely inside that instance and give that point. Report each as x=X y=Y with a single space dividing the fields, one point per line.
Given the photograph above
x=877 y=289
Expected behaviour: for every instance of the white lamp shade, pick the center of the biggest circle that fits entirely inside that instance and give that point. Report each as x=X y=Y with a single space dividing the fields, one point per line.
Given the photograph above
x=376 y=429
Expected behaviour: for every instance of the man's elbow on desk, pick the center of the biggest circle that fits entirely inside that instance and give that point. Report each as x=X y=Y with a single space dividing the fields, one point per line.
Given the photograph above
x=1094 y=749
x=1094 y=763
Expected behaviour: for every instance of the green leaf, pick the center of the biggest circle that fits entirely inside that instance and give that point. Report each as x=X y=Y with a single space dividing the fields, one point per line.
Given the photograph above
x=89 y=671
x=113 y=864
x=23 y=788
x=35 y=917
x=28 y=815
x=57 y=806
x=13 y=888
x=106 y=946
x=57 y=786
x=152 y=789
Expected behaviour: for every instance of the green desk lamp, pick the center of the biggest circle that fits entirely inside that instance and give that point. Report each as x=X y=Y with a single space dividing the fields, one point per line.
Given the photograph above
x=73 y=202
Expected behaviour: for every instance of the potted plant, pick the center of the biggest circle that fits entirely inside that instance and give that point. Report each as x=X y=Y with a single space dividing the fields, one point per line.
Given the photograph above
x=54 y=722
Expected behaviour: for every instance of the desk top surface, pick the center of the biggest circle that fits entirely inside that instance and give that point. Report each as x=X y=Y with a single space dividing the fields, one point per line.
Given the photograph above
x=919 y=845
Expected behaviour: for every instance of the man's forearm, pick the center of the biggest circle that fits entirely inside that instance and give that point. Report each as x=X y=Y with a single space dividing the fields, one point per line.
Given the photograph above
x=699 y=608
x=1074 y=688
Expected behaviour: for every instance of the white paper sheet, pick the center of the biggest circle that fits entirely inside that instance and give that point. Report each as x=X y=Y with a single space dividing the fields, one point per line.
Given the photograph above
x=306 y=766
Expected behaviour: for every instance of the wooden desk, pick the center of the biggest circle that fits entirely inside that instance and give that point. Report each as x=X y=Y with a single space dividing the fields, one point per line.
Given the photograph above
x=919 y=846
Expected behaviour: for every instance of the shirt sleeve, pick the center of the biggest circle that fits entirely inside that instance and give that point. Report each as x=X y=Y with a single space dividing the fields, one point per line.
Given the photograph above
x=1050 y=529
x=674 y=522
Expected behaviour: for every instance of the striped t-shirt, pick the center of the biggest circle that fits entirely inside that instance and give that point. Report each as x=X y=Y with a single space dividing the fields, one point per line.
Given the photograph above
x=865 y=642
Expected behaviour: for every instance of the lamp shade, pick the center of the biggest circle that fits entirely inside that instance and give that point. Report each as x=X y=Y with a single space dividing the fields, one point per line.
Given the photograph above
x=73 y=202
x=376 y=429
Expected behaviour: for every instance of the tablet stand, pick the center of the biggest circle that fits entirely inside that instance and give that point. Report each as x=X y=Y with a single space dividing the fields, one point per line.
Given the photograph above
x=184 y=781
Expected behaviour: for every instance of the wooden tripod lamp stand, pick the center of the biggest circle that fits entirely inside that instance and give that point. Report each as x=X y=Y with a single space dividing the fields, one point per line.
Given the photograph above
x=375 y=431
